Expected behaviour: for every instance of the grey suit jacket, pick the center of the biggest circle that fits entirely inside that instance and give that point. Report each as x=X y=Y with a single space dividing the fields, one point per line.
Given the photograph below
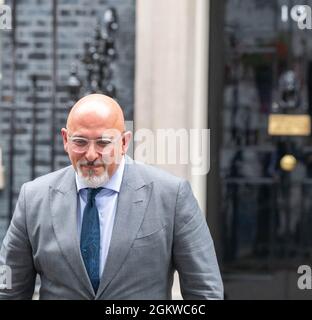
x=158 y=228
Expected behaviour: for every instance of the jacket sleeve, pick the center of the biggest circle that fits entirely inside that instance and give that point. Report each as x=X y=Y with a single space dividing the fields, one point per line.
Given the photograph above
x=193 y=250
x=16 y=254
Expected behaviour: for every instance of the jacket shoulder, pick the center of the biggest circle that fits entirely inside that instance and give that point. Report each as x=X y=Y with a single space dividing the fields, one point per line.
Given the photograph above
x=50 y=179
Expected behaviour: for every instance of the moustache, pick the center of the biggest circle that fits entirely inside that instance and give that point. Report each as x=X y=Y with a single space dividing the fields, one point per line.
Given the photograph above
x=90 y=163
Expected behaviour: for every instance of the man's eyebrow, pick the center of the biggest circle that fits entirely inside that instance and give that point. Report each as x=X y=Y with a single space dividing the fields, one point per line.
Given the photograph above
x=98 y=138
x=78 y=136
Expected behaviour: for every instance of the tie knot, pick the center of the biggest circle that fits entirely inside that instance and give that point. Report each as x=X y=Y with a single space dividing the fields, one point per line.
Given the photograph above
x=92 y=192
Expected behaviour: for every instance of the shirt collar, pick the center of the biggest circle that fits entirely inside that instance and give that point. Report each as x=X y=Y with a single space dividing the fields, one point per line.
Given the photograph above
x=114 y=183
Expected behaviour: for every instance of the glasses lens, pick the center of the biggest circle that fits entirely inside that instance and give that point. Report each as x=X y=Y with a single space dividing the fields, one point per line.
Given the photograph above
x=79 y=144
x=102 y=146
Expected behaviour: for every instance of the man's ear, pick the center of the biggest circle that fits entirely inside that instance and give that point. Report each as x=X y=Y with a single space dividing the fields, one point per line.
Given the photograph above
x=65 y=139
x=127 y=136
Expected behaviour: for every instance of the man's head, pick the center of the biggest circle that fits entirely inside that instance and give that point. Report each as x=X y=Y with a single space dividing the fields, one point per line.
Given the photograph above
x=95 y=138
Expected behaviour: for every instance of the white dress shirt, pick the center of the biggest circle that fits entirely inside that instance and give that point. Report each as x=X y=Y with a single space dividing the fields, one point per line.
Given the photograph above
x=106 y=203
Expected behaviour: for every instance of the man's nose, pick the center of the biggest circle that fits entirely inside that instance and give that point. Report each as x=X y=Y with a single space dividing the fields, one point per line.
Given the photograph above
x=91 y=153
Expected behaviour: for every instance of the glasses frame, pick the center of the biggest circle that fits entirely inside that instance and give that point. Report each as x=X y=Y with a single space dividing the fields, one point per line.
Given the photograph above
x=86 y=148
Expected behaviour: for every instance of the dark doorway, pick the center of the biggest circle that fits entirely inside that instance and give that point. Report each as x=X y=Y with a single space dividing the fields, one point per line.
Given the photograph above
x=260 y=208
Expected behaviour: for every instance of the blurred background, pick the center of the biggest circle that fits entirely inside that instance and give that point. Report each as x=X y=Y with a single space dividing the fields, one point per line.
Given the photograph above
x=229 y=66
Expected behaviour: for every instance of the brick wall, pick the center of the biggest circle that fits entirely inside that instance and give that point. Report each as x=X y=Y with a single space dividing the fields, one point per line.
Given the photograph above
x=34 y=51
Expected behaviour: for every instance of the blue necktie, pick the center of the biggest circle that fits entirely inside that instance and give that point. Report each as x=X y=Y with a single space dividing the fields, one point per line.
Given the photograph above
x=90 y=239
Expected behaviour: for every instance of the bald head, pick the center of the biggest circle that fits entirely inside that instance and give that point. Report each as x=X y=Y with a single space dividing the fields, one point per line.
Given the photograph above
x=96 y=110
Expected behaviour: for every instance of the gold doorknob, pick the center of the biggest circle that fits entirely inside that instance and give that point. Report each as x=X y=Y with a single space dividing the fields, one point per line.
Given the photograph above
x=288 y=162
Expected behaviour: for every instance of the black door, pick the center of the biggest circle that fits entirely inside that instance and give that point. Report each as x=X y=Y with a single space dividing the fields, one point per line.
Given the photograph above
x=260 y=184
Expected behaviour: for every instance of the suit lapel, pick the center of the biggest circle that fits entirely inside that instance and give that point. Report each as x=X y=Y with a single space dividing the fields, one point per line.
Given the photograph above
x=132 y=202
x=63 y=204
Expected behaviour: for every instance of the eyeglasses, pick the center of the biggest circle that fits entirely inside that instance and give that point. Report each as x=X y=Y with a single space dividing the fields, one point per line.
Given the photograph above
x=101 y=145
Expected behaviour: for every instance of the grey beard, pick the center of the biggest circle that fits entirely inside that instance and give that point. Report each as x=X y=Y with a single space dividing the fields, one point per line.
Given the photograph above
x=93 y=181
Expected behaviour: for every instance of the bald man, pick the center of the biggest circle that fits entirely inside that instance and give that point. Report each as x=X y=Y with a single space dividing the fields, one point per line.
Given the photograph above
x=107 y=227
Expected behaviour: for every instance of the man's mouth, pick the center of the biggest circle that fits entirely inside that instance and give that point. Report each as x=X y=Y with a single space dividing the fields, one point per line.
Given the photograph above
x=92 y=166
